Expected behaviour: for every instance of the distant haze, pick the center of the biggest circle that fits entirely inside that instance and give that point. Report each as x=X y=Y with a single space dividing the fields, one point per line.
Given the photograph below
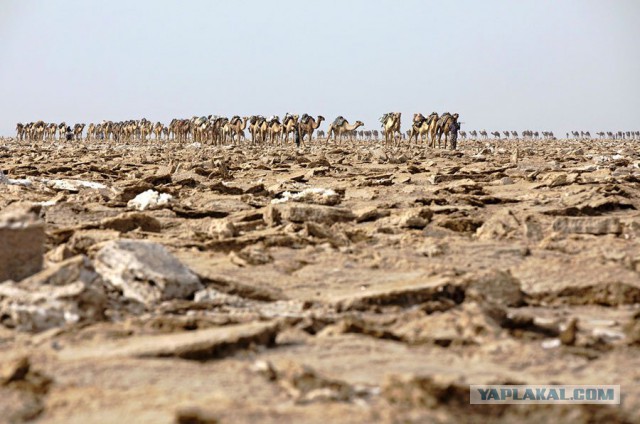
x=502 y=65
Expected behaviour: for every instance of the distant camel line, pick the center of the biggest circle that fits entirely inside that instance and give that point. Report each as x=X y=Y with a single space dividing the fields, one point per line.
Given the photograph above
x=219 y=130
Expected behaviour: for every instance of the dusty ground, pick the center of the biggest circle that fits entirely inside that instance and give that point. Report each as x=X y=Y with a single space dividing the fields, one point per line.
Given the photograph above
x=423 y=271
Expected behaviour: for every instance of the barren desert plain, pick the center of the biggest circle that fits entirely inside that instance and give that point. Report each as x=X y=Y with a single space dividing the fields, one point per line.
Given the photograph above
x=353 y=282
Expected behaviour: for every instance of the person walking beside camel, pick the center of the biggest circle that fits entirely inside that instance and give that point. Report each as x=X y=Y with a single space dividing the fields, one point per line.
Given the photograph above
x=296 y=133
x=454 y=127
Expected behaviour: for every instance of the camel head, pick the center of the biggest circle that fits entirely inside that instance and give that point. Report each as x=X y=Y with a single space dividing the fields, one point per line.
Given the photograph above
x=320 y=118
x=359 y=124
x=455 y=116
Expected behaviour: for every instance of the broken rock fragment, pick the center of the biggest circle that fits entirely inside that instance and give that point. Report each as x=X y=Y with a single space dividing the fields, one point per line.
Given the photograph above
x=275 y=214
x=500 y=226
x=145 y=271
x=414 y=218
x=595 y=226
x=223 y=229
x=22 y=238
x=67 y=293
x=149 y=199
x=496 y=286
x=316 y=195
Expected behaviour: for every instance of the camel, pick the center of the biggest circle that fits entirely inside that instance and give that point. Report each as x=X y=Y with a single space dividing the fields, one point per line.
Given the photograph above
x=107 y=129
x=391 y=125
x=418 y=119
x=308 y=125
x=220 y=130
x=37 y=131
x=496 y=134
x=258 y=128
x=341 y=126
x=275 y=129
x=375 y=134
x=145 y=129
x=421 y=126
x=483 y=134
x=157 y=130
x=237 y=126
x=289 y=124
x=473 y=134
x=180 y=129
x=201 y=129
x=91 y=131
x=443 y=127
x=50 y=132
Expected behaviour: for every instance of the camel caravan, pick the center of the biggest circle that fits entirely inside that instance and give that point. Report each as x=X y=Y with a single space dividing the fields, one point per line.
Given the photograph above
x=434 y=130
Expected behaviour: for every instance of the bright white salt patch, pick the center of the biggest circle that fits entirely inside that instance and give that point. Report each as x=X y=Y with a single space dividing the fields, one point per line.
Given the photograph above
x=311 y=195
x=149 y=199
x=551 y=344
x=73 y=185
x=10 y=181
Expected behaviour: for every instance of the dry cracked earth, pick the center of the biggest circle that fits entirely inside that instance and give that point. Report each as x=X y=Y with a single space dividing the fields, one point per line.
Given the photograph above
x=349 y=283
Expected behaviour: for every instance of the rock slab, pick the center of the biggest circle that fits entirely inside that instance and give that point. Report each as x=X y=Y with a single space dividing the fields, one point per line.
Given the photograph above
x=22 y=240
x=145 y=271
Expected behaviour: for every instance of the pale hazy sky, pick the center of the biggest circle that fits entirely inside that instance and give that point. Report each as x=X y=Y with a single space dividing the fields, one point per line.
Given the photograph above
x=502 y=64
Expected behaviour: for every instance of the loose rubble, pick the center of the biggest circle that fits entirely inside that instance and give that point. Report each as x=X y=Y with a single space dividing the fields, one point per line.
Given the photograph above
x=332 y=283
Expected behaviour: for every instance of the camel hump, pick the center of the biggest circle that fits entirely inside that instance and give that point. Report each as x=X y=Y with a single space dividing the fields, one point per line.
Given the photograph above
x=235 y=119
x=339 y=121
x=287 y=117
x=305 y=118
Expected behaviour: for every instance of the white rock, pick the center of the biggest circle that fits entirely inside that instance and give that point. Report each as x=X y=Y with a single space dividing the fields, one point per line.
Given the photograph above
x=607 y=334
x=73 y=185
x=551 y=344
x=213 y=295
x=10 y=181
x=223 y=229
x=317 y=195
x=68 y=293
x=149 y=199
x=145 y=271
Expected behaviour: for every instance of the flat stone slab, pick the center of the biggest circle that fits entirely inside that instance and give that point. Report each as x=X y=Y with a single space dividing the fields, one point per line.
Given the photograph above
x=211 y=343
